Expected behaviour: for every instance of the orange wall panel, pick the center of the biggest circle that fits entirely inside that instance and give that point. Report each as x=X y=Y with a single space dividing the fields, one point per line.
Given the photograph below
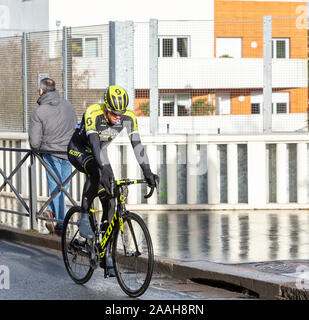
x=298 y=100
x=230 y=11
x=240 y=107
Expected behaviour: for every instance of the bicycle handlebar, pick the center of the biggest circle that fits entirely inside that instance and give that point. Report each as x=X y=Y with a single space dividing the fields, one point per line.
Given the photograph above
x=135 y=181
x=146 y=196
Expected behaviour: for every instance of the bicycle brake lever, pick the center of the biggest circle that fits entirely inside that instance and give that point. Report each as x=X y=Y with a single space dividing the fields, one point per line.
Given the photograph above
x=157 y=181
x=150 y=192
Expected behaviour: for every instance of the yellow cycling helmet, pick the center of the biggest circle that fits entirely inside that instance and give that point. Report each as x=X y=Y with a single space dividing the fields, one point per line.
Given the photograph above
x=116 y=99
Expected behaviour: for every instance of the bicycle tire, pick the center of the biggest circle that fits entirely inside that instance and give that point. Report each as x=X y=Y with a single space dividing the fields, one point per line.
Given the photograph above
x=79 y=270
x=134 y=269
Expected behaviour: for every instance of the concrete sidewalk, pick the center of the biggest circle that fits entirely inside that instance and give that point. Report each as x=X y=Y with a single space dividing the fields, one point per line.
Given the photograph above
x=265 y=280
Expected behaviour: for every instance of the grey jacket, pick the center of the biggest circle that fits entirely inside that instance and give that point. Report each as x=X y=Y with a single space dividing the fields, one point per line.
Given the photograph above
x=52 y=123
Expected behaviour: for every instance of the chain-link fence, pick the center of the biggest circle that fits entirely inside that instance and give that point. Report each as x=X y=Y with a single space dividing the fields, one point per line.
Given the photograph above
x=11 y=92
x=207 y=76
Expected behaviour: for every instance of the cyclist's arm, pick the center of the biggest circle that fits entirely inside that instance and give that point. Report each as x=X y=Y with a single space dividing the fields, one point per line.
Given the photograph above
x=90 y=119
x=139 y=151
x=94 y=141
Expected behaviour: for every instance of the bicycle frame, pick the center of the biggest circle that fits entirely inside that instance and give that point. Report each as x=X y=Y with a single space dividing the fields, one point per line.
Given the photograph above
x=126 y=235
x=120 y=211
x=106 y=238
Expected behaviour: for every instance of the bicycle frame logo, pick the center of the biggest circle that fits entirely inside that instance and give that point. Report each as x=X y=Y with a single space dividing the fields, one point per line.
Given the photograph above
x=109 y=231
x=4 y=277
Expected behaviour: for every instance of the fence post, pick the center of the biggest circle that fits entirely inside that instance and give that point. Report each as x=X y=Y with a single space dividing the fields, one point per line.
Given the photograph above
x=267 y=74
x=67 y=63
x=64 y=63
x=25 y=89
x=121 y=57
x=153 y=76
x=32 y=193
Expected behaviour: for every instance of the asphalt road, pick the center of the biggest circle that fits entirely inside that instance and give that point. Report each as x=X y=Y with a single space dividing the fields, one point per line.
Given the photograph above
x=36 y=273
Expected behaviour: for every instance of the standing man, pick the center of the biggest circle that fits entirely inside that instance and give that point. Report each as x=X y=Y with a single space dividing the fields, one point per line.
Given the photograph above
x=51 y=128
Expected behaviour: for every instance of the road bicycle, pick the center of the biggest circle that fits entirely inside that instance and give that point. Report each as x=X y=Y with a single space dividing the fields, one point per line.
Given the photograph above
x=126 y=238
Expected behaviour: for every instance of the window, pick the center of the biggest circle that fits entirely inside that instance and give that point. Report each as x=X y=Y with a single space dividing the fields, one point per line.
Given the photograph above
x=77 y=47
x=282 y=107
x=168 y=109
x=85 y=47
x=279 y=107
x=228 y=47
x=173 y=47
x=91 y=47
x=174 y=105
x=255 y=108
x=182 y=47
x=280 y=48
x=167 y=48
x=280 y=102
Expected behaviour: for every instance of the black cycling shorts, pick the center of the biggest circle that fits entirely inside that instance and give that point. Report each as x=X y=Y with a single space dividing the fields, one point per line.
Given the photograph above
x=80 y=156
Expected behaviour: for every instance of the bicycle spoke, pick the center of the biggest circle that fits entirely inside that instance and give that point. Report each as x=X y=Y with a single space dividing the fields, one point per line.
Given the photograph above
x=75 y=249
x=133 y=256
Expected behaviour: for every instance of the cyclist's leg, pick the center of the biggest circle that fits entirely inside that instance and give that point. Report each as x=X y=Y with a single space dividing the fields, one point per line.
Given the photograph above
x=84 y=161
x=108 y=206
x=89 y=193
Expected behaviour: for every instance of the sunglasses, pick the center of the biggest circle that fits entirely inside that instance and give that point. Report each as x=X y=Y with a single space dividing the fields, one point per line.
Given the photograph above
x=114 y=114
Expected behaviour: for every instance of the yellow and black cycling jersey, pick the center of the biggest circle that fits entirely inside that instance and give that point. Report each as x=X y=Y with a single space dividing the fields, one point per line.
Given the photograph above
x=95 y=121
x=95 y=132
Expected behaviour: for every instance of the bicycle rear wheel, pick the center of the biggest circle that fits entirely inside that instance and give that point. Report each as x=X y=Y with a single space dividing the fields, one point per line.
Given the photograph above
x=132 y=254
x=75 y=249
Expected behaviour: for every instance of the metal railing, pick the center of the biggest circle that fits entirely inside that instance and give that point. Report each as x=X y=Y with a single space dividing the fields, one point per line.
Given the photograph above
x=31 y=210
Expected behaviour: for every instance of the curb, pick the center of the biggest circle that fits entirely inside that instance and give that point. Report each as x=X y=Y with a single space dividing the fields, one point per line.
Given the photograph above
x=261 y=284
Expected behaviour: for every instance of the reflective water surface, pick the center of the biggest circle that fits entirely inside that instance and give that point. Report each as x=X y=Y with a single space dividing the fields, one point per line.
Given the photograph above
x=231 y=237
x=226 y=237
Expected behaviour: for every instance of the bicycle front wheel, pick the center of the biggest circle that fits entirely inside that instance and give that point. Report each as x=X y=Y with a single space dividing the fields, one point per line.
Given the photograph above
x=75 y=249
x=132 y=254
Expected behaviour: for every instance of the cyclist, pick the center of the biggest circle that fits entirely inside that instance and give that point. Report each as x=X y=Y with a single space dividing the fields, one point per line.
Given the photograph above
x=87 y=150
